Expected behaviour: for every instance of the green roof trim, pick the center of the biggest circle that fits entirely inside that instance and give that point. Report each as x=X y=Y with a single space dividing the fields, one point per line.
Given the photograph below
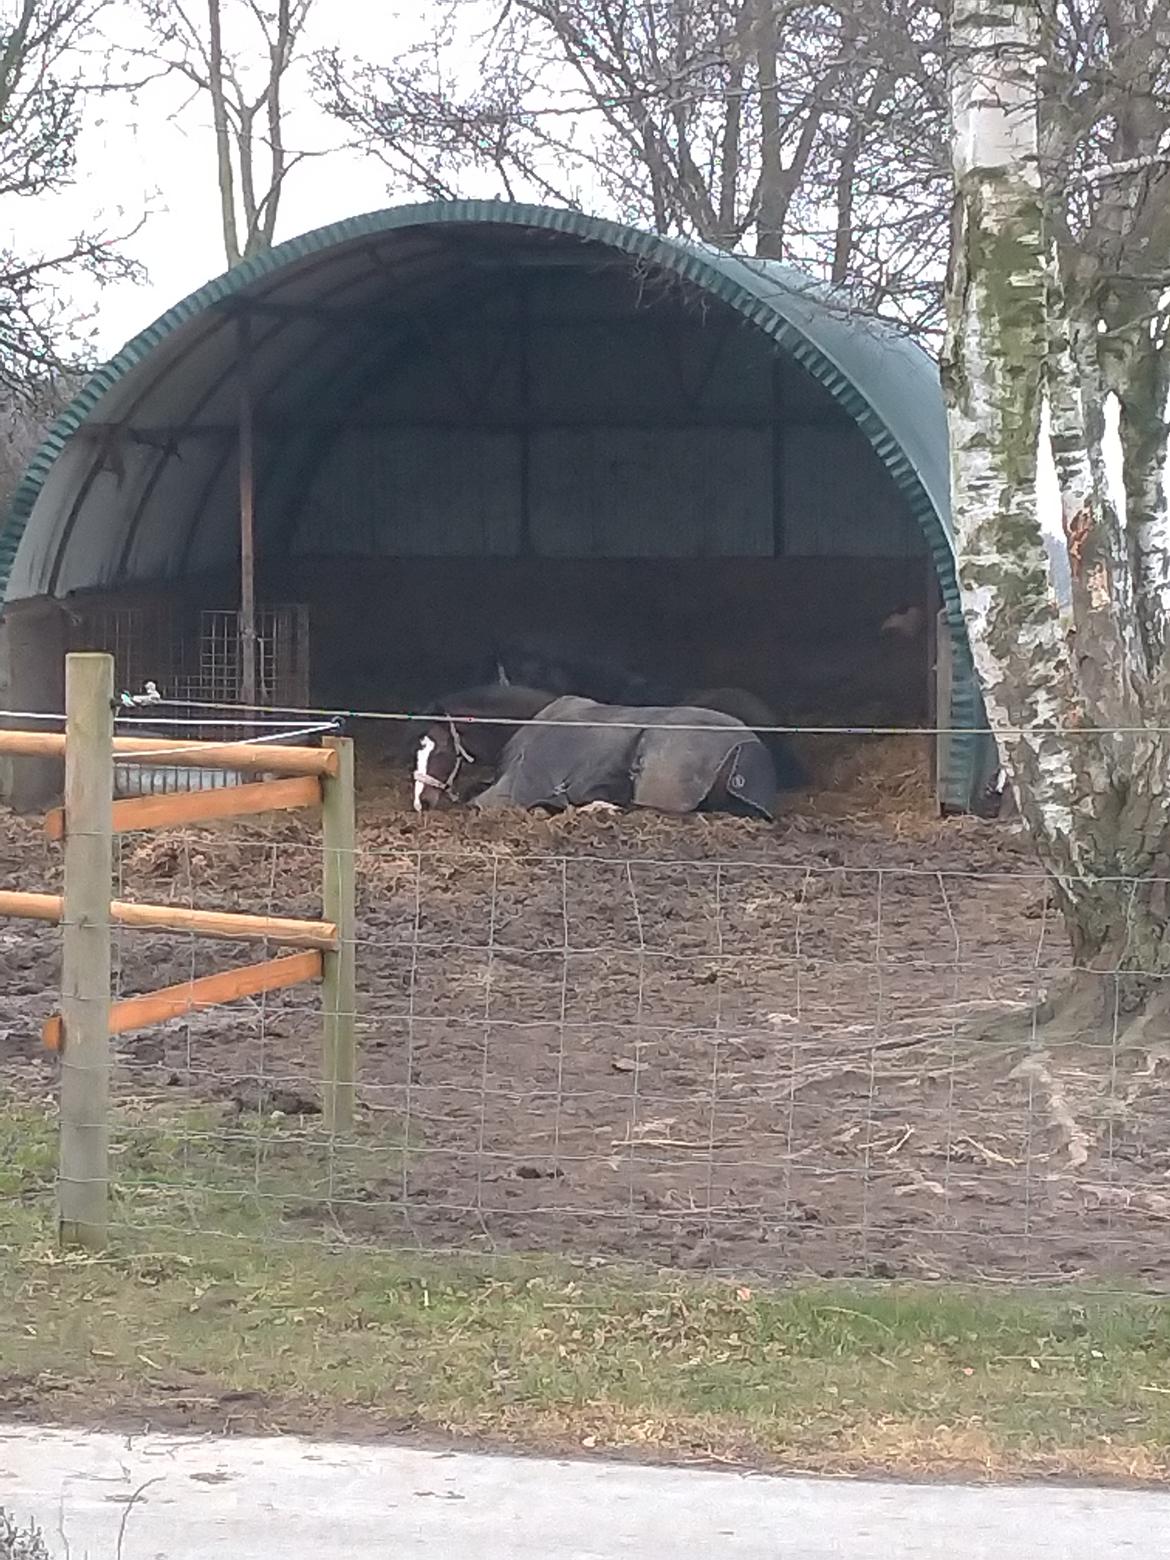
x=886 y=384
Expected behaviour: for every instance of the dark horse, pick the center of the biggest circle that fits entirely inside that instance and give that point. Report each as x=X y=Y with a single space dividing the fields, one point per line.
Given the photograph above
x=545 y=661
x=582 y=753
x=538 y=661
x=461 y=747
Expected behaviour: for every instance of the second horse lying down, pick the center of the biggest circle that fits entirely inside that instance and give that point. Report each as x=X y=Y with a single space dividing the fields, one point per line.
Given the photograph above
x=479 y=747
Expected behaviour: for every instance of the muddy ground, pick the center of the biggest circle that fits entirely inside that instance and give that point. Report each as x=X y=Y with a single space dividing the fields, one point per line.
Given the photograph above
x=705 y=1043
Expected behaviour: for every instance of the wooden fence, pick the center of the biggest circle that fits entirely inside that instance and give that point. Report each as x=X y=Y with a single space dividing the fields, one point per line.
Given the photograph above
x=86 y=910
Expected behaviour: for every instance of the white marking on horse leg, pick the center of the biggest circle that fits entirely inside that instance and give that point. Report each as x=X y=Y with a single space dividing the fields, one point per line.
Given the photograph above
x=600 y=807
x=502 y=676
x=425 y=748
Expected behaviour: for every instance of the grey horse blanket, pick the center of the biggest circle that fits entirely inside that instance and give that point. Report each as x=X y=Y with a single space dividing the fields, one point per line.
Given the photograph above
x=615 y=753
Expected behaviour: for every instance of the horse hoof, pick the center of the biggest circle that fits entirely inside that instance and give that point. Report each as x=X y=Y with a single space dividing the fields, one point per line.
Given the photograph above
x=600 y=807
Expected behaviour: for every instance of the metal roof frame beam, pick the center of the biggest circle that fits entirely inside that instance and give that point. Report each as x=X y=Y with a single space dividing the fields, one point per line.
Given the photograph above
x=167 y=436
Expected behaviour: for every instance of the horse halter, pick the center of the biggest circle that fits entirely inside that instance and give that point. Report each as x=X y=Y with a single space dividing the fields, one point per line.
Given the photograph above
x=422 y=776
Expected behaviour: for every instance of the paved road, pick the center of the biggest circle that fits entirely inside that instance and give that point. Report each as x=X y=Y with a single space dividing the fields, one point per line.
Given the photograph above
x=288 y=1499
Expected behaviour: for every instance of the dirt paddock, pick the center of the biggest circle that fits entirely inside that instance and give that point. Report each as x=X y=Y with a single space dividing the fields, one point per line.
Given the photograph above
x=703 y=1043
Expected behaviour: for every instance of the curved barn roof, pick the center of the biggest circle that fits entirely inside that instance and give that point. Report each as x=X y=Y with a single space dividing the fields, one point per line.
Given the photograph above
x=75 y=520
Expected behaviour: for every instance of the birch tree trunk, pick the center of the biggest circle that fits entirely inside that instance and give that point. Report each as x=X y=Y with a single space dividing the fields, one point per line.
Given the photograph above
x=1138 y=372
x=994 y=376
x=1089 y=776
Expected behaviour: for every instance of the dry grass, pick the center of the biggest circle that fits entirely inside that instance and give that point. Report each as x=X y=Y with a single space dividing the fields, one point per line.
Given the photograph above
x=886 y=778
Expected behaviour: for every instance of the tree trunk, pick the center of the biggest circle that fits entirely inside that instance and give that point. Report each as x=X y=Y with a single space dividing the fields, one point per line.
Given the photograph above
x=846 y=182
x=1119 y=935
x=772 y=203
x=1090 y=782
x=729 y=157
x=1142 y=381
x=1108 y=657
x=997 y=344
x=246 y=151
x=280 y=56
x=223 y=149
x=843 y=234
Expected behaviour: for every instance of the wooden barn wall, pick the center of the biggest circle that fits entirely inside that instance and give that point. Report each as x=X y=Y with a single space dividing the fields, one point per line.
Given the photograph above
x=550 y=428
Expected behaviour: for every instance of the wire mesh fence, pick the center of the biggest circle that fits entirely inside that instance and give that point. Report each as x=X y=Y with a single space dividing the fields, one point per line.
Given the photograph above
x=703 y=1045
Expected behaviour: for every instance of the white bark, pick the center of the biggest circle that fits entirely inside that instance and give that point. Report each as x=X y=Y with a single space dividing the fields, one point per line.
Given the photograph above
x=1110 y=657
x=1093 y=793
x=997 y=348
x=1141 y=386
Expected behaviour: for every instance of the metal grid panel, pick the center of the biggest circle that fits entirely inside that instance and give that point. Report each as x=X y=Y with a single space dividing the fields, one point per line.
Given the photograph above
x=282 y=645
x=145 y=641
x=150 y=643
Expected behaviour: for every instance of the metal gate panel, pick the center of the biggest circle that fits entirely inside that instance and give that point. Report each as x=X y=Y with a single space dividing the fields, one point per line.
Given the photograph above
x=150 y=642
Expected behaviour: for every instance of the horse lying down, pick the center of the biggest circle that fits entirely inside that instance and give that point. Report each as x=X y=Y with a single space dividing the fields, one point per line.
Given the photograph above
x=671 y=758
x=541 y=662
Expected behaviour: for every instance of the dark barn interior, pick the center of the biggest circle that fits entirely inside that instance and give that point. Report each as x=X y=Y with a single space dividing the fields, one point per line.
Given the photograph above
x=463 y=433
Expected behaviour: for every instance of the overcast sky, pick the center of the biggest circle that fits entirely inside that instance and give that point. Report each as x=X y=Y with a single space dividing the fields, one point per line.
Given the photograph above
x=157 y=157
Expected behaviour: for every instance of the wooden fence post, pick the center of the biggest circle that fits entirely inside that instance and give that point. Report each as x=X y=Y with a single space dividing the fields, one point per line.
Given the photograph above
x=83 y=1181
x=944 y=678
x=339 y=842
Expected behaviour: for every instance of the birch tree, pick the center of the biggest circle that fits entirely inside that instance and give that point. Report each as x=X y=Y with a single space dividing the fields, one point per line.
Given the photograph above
x=1055 y=300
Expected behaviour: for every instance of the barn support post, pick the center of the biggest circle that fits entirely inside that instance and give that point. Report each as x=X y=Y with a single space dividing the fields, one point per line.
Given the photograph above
x=779 y=452
x=84 y=1180
x=524 y=403
x=935 y=619
x=944 y=681
x=339 y=840
x=247 y=634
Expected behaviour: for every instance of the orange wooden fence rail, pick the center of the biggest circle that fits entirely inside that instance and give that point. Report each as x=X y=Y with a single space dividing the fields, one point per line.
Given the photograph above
x=250 y=757
x=156 y=1007
x=228 y=801
x=177 y=918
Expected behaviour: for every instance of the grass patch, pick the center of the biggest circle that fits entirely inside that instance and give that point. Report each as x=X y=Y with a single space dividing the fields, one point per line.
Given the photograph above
x=249 y=1328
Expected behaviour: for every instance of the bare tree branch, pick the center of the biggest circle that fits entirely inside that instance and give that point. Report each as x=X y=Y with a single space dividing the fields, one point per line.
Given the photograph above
x=728 y=120
x=46 y=55
x=243 y=83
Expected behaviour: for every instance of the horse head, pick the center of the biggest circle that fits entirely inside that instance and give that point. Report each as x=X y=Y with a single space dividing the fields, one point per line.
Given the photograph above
x=464 y=739
x=440 y=763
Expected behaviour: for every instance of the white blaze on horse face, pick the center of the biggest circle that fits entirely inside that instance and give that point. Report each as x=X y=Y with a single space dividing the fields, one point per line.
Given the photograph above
x=425 y=748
